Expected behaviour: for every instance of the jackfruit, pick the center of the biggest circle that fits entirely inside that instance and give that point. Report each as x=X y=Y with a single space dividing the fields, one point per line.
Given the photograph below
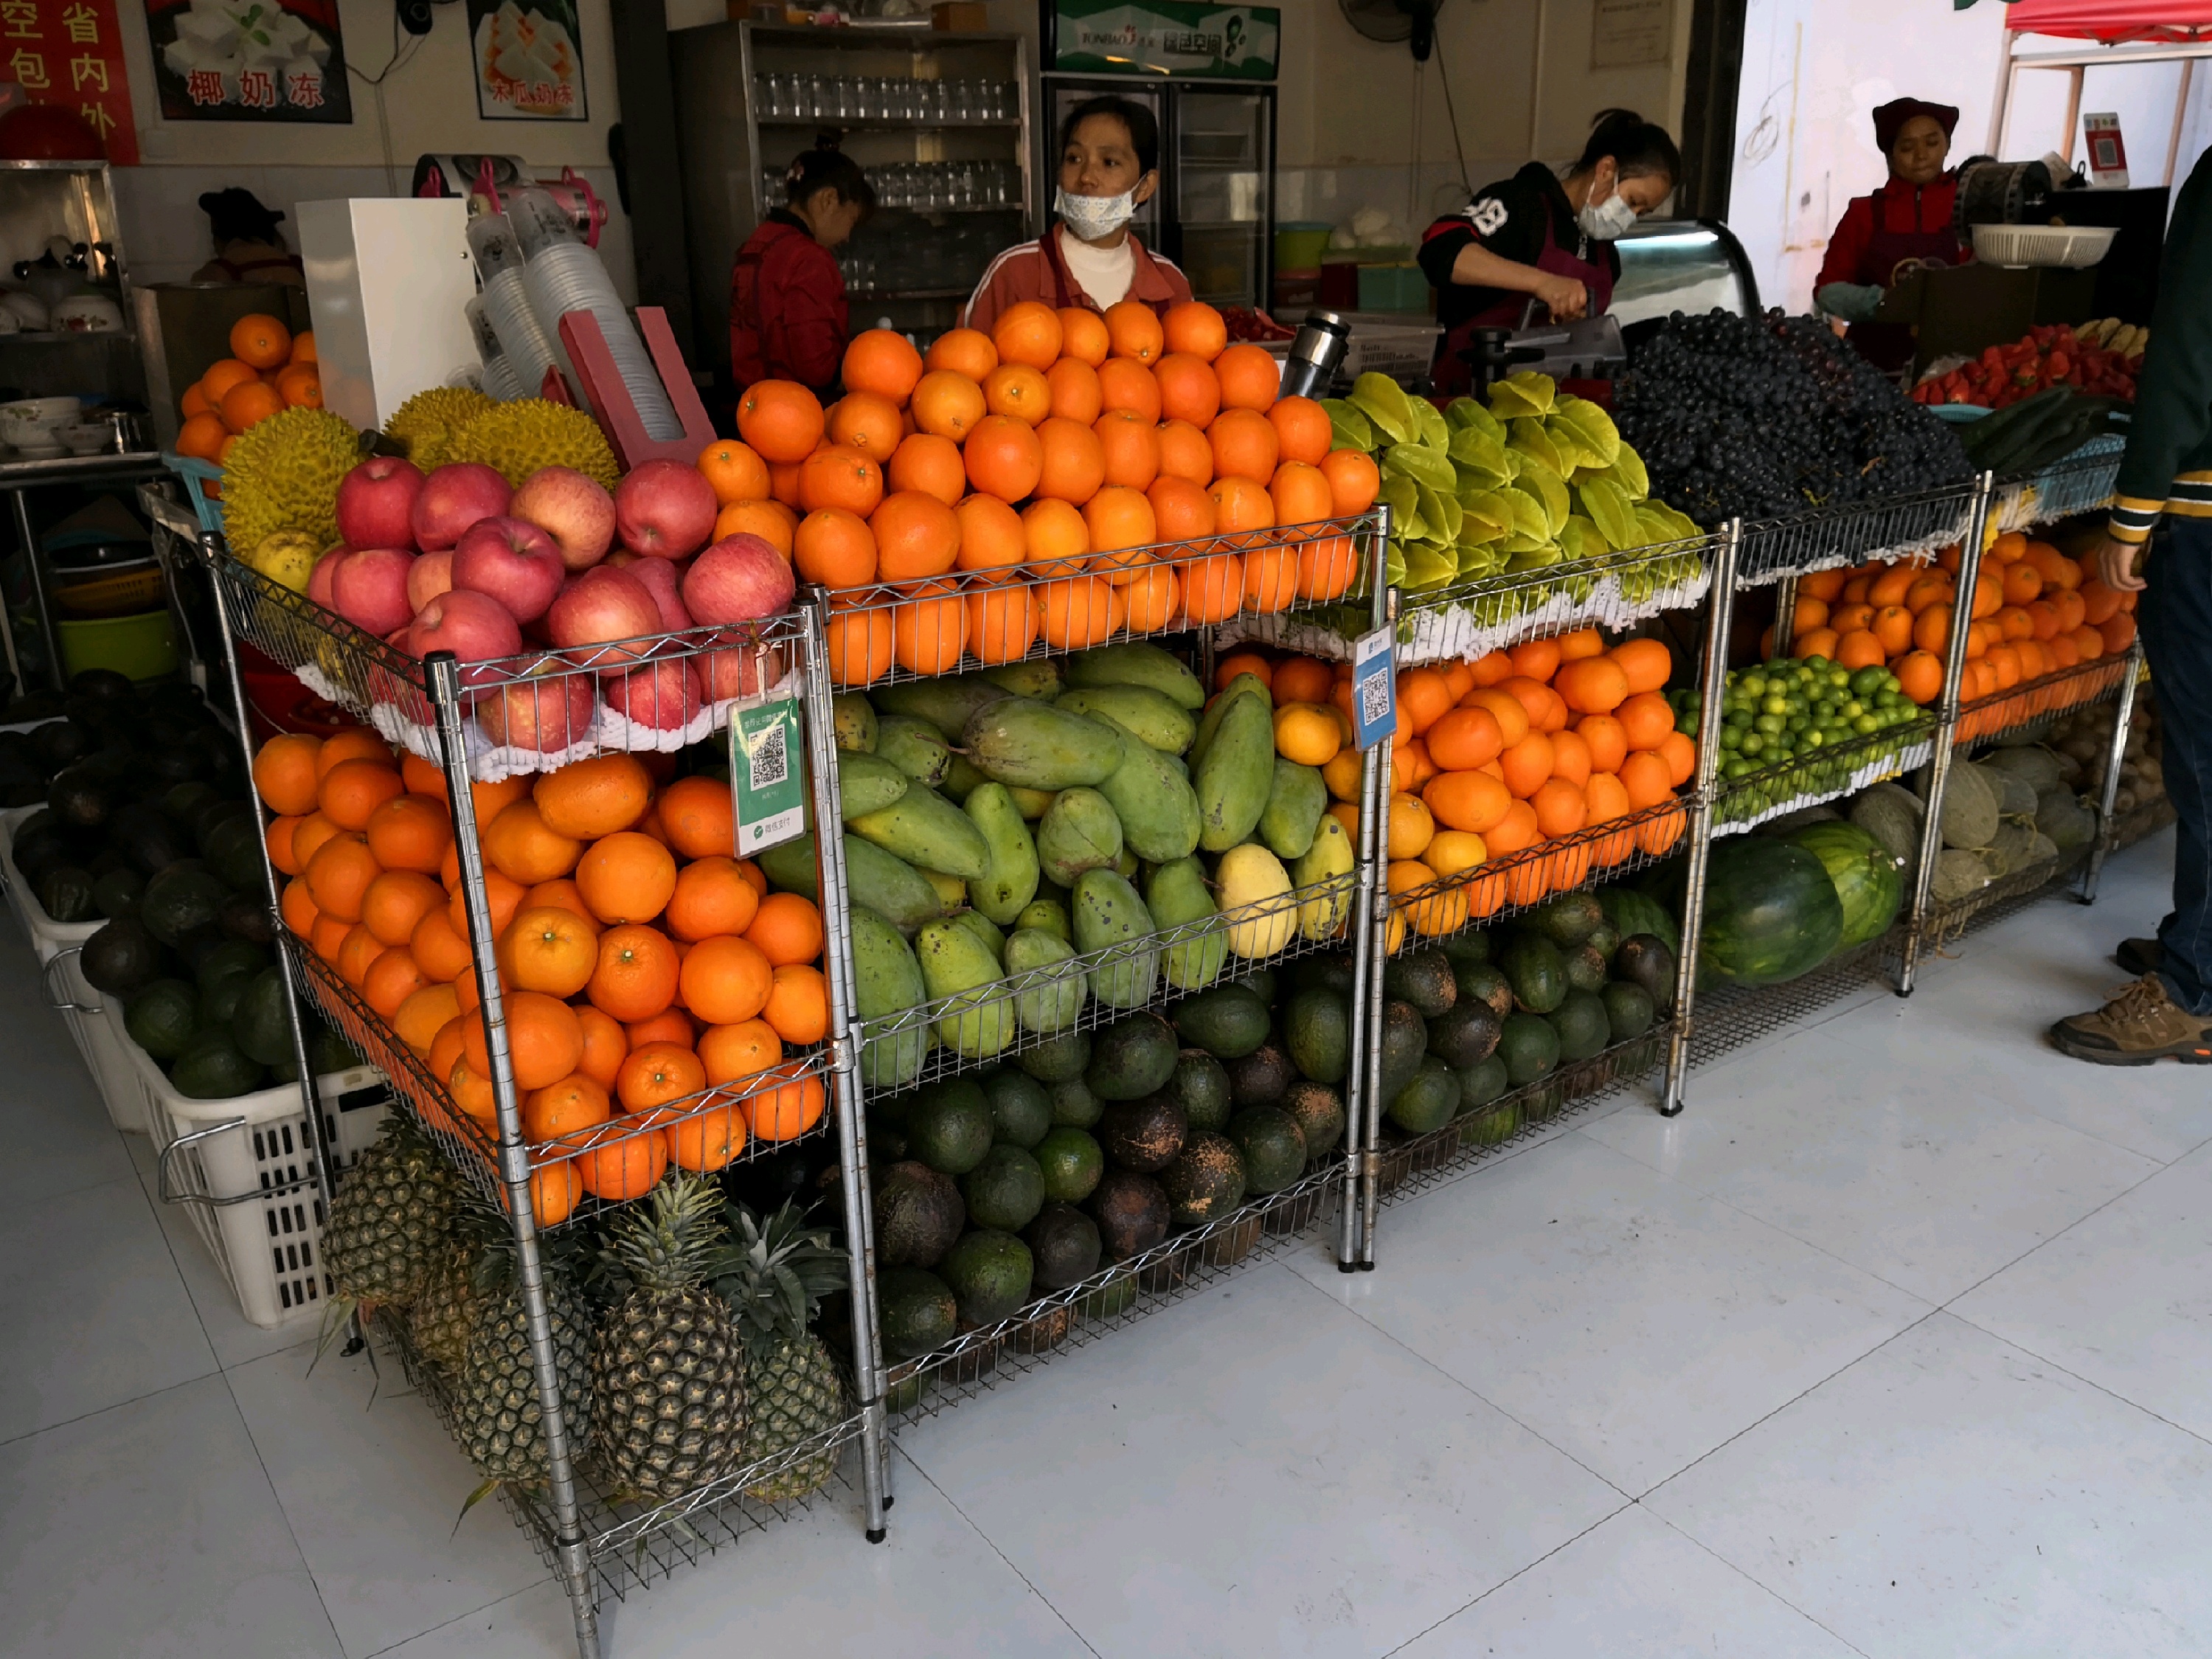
x=517 y=438
x=427 y=422
x=283 y=474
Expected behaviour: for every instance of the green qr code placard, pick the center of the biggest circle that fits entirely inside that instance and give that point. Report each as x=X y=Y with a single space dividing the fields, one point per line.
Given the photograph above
x=767 y=774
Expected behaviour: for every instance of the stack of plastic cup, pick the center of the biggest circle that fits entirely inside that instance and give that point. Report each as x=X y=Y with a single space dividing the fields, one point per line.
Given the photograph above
x=524 y=343
x=562 y=275
x=496 y=375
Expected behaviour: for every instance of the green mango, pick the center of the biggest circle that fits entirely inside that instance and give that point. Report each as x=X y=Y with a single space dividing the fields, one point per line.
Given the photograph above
x=1152 y=798
x=928 y=832
x=1044 y=1001
x=960 y=780
x=1046 y=915
x=1040 y=677
x=980 y=925
x=1081 y=832
x=1127 y=864
x=887 y=984
x=1010 y=882
x=855 y=722
x=890 y=886
x=1020 y=740
x=1244 y=685
x=1296 y=801
x=866 y=782
x=1110 y=917
x=1031 y=803
x=946 y=702
x=952 y=891
x=957 y=963
x=1177 y=897
x=1322 y=878
x=1233 y=781
x=1137 y=664
x=915 y=746
x=1152 y=717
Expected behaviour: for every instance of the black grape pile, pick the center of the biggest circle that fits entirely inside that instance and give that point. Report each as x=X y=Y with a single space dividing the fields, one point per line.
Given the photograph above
x=1767 y=417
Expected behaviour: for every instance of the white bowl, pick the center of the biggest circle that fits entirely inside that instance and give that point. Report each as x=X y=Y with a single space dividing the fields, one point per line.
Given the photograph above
x=88 y=313
x=85 y=440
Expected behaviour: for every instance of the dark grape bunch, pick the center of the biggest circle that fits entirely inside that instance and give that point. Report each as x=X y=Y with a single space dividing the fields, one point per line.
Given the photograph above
x=1770 y=417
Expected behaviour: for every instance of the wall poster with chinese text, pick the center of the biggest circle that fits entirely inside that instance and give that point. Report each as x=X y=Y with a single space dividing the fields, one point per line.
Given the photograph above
x=71 y=52
x=249 y=60
x=529 y=65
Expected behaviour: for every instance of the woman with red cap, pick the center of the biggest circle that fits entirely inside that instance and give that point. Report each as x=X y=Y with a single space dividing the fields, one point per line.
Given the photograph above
x=1898 y=229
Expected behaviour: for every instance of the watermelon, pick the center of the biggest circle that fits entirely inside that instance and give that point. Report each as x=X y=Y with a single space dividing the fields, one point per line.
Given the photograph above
x=1869 y=883
x=1771 y=912
x=1633 y=911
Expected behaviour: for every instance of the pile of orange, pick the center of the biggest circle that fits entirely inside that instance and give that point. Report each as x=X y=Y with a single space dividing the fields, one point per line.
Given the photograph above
x=1494 y=760
x=2036 y=612
x=270 y=368
x=648 y=975
x=1016 y=484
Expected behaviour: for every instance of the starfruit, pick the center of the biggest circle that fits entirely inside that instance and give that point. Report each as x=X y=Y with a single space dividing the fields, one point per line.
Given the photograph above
x=1468 y=414
x=1525 y=392
x=1348 y=428
x=1592 y=425
x=1425 y=466
x=1550 y=488
x=1579 y=539
x=1628 y=472
x=1611 y=511
x=1383 y=402
x=1532 y=443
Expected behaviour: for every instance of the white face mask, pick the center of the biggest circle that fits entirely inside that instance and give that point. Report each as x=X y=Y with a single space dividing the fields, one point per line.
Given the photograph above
x=1093 y=216
x=1605 y=220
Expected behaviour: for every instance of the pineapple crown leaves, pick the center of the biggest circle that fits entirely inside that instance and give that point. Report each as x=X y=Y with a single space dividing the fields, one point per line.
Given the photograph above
x=775 y=1275
x=671 y=1240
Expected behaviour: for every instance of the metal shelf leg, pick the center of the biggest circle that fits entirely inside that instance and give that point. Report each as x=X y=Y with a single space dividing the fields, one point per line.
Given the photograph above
x=2122 y=721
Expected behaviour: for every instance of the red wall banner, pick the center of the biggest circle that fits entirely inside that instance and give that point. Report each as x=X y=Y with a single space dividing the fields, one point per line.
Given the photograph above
x=71 y=52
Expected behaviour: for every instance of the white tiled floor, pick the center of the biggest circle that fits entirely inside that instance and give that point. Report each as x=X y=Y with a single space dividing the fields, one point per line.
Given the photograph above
x=1897 y=1343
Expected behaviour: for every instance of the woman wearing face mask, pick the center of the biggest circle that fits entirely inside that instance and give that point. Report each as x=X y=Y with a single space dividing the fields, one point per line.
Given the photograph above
x=1537 y=236
x=1110 y=158
x=787 y=318
x=1896 y=230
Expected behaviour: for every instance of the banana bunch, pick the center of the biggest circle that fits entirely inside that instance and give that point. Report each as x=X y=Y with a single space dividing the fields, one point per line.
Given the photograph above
x=1533 y=480
x=2127 y=339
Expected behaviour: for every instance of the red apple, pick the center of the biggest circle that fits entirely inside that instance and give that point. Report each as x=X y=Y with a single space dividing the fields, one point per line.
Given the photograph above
x=452 y=498
x=573 y=509
x=598 y=608
x=666 y=508
x=325 y=572
x=739 y=578
x=664 y=579
x=376 y=502
x=474 y=627
x=369 y=589
x=429 y=576
x=662 y=696
x=742 y=672
x=546 y=714
x=514 y=560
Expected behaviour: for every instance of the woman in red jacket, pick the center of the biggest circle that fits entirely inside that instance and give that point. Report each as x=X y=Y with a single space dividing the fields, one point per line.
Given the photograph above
x=1898 y=229
x=787 y=318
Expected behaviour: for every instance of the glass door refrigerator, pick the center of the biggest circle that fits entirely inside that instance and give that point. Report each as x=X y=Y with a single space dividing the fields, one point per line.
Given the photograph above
x=1208 y=73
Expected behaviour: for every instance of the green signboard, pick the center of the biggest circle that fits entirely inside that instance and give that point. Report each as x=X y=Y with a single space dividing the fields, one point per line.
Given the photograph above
x=1169 y=38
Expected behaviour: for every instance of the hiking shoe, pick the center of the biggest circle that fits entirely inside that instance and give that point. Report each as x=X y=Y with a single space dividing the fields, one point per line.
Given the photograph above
x=2137 y=1025
x=2141 y=956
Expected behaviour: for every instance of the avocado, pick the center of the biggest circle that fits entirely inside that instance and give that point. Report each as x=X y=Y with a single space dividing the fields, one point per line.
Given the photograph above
x=1481 y=1083
x=1272 y=1147
x=212 y=1068
x=1006 y=1190
x=949 y=1126
x=1466 y=1036
x=1471 y=949
x=1201 y=1086
x=917 y=1309
x=1071 y=1160
x=1261 y=981
x=1317 y=1031
x=162 y=1019
x=1318 y=1110
x=1131 y=1058
x=1430 y=1101
x=1021 y=1108
x=1605 y=939
x=1073 y=1104
x=1330 y=971
x=1132 y=1213
x=248 y=917
x=1483 y=982
x=1644 y=960
x=1583 y=1027
x=1057 y=1059
x=179 y=901
x=1205 y=1181
x=1628 y=1009
x=261 y=1021
x=1404 y=1040
x=1112 y=1299
x=120 y=958
x=919 y=1215
x=116 y=894
x=1585 y=965
x=1423 y=978
x=1144 y=1135
x=65 y=893
x=1227 y=1021
x=1490 y=1125
x=1534 y=968
x=1530 y=1048
x=1568 y=919
x=328 y=1051
x=1261 y=1076
x=78 y=798
x=1063 y=1245
x=989 y=1273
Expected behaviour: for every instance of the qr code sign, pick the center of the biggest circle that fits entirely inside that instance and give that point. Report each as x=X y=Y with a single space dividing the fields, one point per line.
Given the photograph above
x=768 y=756
x=1375 y=699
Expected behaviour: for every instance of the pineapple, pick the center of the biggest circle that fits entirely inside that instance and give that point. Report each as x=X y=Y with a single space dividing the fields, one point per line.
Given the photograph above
x=667 y=1376
x=774 y=1276
x=390 y=1220
x=493 y=1386
x=440 y=1321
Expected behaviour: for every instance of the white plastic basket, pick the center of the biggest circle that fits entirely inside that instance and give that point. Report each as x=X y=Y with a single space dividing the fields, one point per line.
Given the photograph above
x=2068 y=247
x=57 y=945
x=244 y=1169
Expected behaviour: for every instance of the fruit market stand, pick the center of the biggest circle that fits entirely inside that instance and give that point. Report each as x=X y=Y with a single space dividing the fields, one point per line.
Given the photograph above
x=1134 y=966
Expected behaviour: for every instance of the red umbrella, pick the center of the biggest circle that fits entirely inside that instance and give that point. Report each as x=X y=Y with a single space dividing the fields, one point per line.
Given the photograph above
x=2113 y=21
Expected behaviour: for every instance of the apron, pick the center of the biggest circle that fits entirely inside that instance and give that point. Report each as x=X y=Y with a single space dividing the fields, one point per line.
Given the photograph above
x=1451 y=375
x=1890 y=256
